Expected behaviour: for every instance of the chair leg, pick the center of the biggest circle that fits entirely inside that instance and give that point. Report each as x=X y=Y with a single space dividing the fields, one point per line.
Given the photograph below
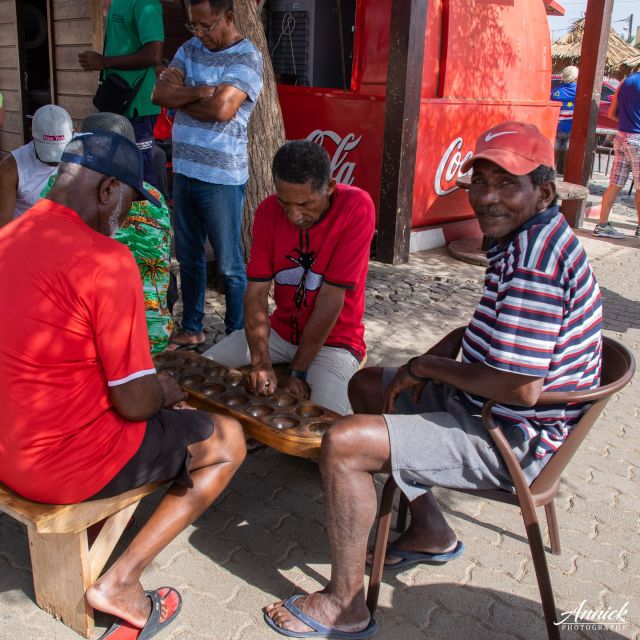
x=554 y=531
x=401 y=519
x=544 y=580
x=380 y=546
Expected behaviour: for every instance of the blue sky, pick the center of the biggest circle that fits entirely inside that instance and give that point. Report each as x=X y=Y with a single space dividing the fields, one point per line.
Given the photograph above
x=575 y=9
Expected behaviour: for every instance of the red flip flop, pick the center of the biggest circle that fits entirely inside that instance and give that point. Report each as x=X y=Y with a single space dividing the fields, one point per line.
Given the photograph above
x=168 y=596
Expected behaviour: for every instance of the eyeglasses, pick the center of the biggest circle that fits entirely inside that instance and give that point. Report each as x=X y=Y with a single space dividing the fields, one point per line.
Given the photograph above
x=205 y=31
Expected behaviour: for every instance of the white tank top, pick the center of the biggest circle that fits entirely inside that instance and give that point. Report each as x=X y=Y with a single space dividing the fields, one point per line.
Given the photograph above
x=32 y=177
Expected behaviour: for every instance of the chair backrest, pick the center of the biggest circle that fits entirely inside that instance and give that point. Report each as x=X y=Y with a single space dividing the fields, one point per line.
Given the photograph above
x=618 y=366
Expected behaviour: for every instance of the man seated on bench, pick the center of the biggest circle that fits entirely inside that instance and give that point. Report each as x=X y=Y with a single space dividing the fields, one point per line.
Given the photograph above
x=84 y=414
x=312 y=238
x=536 y=328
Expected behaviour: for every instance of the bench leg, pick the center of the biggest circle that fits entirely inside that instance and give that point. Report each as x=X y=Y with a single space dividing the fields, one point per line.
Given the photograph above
x=64 y=567
x=61 y=575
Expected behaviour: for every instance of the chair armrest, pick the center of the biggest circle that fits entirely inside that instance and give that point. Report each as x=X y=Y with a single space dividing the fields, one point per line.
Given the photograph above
x=513 y=465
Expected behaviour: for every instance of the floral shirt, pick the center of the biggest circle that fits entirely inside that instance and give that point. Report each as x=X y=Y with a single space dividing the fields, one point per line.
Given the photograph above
x=147 y=232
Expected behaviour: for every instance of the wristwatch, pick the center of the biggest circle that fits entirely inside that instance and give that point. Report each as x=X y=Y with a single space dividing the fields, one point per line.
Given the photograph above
x=296 y=373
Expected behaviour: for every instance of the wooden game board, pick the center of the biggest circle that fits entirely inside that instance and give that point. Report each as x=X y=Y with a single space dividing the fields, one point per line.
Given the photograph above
x=280 y=421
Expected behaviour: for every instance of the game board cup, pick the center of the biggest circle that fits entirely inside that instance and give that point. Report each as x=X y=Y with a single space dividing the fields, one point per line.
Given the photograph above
x=283 y=399
x=233 y=378
x=210 y=389
x=259 y=410
x=233 y=399
x=191 y=379
x=309 y=410
x=318 y=428
x=281 y=421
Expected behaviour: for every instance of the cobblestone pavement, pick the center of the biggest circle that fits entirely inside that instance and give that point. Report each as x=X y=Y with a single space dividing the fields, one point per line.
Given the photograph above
x=264 y=538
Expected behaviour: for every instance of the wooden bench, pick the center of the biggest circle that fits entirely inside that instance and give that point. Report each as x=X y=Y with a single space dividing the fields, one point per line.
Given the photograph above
x=62 y=562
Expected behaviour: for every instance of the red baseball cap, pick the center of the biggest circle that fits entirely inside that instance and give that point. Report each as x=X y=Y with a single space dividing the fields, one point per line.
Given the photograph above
x=517 y=147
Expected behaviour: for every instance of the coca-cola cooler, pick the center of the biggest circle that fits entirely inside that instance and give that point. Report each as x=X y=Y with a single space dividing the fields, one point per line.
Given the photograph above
x=484 y=62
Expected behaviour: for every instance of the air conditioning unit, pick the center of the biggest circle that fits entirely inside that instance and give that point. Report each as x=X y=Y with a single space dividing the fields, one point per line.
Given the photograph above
x=304 y=42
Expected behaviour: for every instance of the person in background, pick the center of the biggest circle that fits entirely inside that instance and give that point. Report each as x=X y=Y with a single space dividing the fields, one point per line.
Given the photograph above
x=213 y=83
x=134 y=37
x=625 y=108
x=147 y=231
x=565 y=92
x=25 y=171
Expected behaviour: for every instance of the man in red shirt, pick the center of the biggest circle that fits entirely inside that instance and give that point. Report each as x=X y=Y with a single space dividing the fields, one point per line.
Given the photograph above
x=84 y=414
x=312 y=238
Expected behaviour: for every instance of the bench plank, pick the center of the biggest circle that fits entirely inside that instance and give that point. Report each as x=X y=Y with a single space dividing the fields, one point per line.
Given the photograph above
x=67 y=518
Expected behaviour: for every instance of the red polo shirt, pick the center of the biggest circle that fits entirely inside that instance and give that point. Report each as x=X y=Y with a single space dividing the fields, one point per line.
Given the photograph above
x=72 y=325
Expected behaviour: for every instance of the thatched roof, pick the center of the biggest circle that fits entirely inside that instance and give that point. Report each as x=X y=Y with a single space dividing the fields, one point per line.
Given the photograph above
x=629 y=65
x=566 y=51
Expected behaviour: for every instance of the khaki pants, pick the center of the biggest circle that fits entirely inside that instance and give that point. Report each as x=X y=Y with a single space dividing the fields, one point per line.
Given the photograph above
x=328 y=375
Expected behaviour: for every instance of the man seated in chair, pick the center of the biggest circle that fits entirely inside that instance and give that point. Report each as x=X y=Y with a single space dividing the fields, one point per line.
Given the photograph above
x=536 y=328
x=312 y=238
x=84 y=414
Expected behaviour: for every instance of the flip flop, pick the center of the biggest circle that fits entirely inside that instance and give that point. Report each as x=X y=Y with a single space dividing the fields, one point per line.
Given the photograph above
x=415 y=557
x=122 y=630
x=319 y=630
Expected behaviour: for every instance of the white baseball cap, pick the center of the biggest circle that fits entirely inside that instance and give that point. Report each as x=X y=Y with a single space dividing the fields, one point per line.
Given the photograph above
x=52 y=129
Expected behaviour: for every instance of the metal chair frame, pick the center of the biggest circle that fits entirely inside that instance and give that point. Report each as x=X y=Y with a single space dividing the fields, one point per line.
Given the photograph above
x=618 y=366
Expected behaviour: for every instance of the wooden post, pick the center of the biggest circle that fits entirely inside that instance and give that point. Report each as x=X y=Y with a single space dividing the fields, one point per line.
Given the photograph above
x=402 y=111
x=582 y=142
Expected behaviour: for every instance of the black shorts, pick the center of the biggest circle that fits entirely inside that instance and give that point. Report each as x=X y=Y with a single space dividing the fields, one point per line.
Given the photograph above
x=163 y=455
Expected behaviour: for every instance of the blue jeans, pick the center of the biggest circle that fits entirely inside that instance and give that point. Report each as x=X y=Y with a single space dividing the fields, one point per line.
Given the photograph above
x=204 y=210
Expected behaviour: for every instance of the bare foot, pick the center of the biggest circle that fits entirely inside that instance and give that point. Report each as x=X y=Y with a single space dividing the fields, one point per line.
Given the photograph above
x=128 y=602
x=184 y=339
x=325 y=609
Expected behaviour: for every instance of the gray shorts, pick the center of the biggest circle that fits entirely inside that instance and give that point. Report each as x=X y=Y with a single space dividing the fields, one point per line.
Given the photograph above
x=439 y=442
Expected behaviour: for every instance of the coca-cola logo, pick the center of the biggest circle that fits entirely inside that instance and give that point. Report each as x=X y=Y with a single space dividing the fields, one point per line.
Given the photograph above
x=449 y=167
x=341 y=170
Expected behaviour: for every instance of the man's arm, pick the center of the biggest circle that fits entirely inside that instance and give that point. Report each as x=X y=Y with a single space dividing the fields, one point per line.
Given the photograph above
x=3 y=116
x=171 y=93
x=257 y=329
x=222 y=106
x=612 y=112
x=479 y=379
x=143 y=397
x=326 y=309
x=150 y=55
x=8 y=189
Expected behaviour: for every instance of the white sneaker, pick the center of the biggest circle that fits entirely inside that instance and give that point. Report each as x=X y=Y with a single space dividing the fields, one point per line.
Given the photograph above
x=607 y=230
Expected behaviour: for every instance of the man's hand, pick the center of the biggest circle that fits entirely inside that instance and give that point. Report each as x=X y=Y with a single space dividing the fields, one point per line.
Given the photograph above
x=171 y=75
x=296 y=387
x=262 y=380
x=401 y=381
x=91 y=61
x=172 y=394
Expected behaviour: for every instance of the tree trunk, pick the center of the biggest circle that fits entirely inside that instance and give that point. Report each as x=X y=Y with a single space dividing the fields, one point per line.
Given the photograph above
x=266 y=127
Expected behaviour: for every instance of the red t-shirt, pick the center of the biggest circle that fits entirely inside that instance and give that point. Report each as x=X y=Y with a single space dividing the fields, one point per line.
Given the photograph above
x=335 y=250
x=72 y=324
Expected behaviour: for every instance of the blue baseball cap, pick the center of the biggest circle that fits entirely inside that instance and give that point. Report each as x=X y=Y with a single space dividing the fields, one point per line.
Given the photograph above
x=112 y=155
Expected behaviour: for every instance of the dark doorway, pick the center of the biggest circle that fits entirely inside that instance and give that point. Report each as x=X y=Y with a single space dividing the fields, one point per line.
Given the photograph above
x=33 y=32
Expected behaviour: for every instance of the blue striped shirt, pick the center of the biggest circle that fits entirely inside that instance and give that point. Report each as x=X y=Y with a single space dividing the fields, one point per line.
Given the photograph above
x=540 y=315
x=216 y=152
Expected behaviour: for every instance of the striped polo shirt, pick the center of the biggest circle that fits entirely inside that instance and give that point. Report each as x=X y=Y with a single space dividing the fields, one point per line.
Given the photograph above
x=540 y=315
x=216 y=152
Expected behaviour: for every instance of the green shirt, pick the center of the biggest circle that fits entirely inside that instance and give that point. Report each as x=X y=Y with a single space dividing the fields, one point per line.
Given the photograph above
x=130 y=24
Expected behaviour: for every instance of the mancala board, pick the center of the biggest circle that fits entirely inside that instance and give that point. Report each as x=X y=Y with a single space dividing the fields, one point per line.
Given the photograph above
x=280 y=421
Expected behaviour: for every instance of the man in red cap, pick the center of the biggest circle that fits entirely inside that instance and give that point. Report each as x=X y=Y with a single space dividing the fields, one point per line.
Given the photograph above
x=536 y=328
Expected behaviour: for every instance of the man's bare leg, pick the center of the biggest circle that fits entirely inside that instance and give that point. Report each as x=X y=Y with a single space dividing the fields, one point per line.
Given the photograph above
x=608 y=200
x=213 y=463
x=352 y=450
x=428 y=531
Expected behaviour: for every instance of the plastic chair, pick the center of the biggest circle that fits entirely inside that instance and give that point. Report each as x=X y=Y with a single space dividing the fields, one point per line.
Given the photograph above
x=618 y=366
